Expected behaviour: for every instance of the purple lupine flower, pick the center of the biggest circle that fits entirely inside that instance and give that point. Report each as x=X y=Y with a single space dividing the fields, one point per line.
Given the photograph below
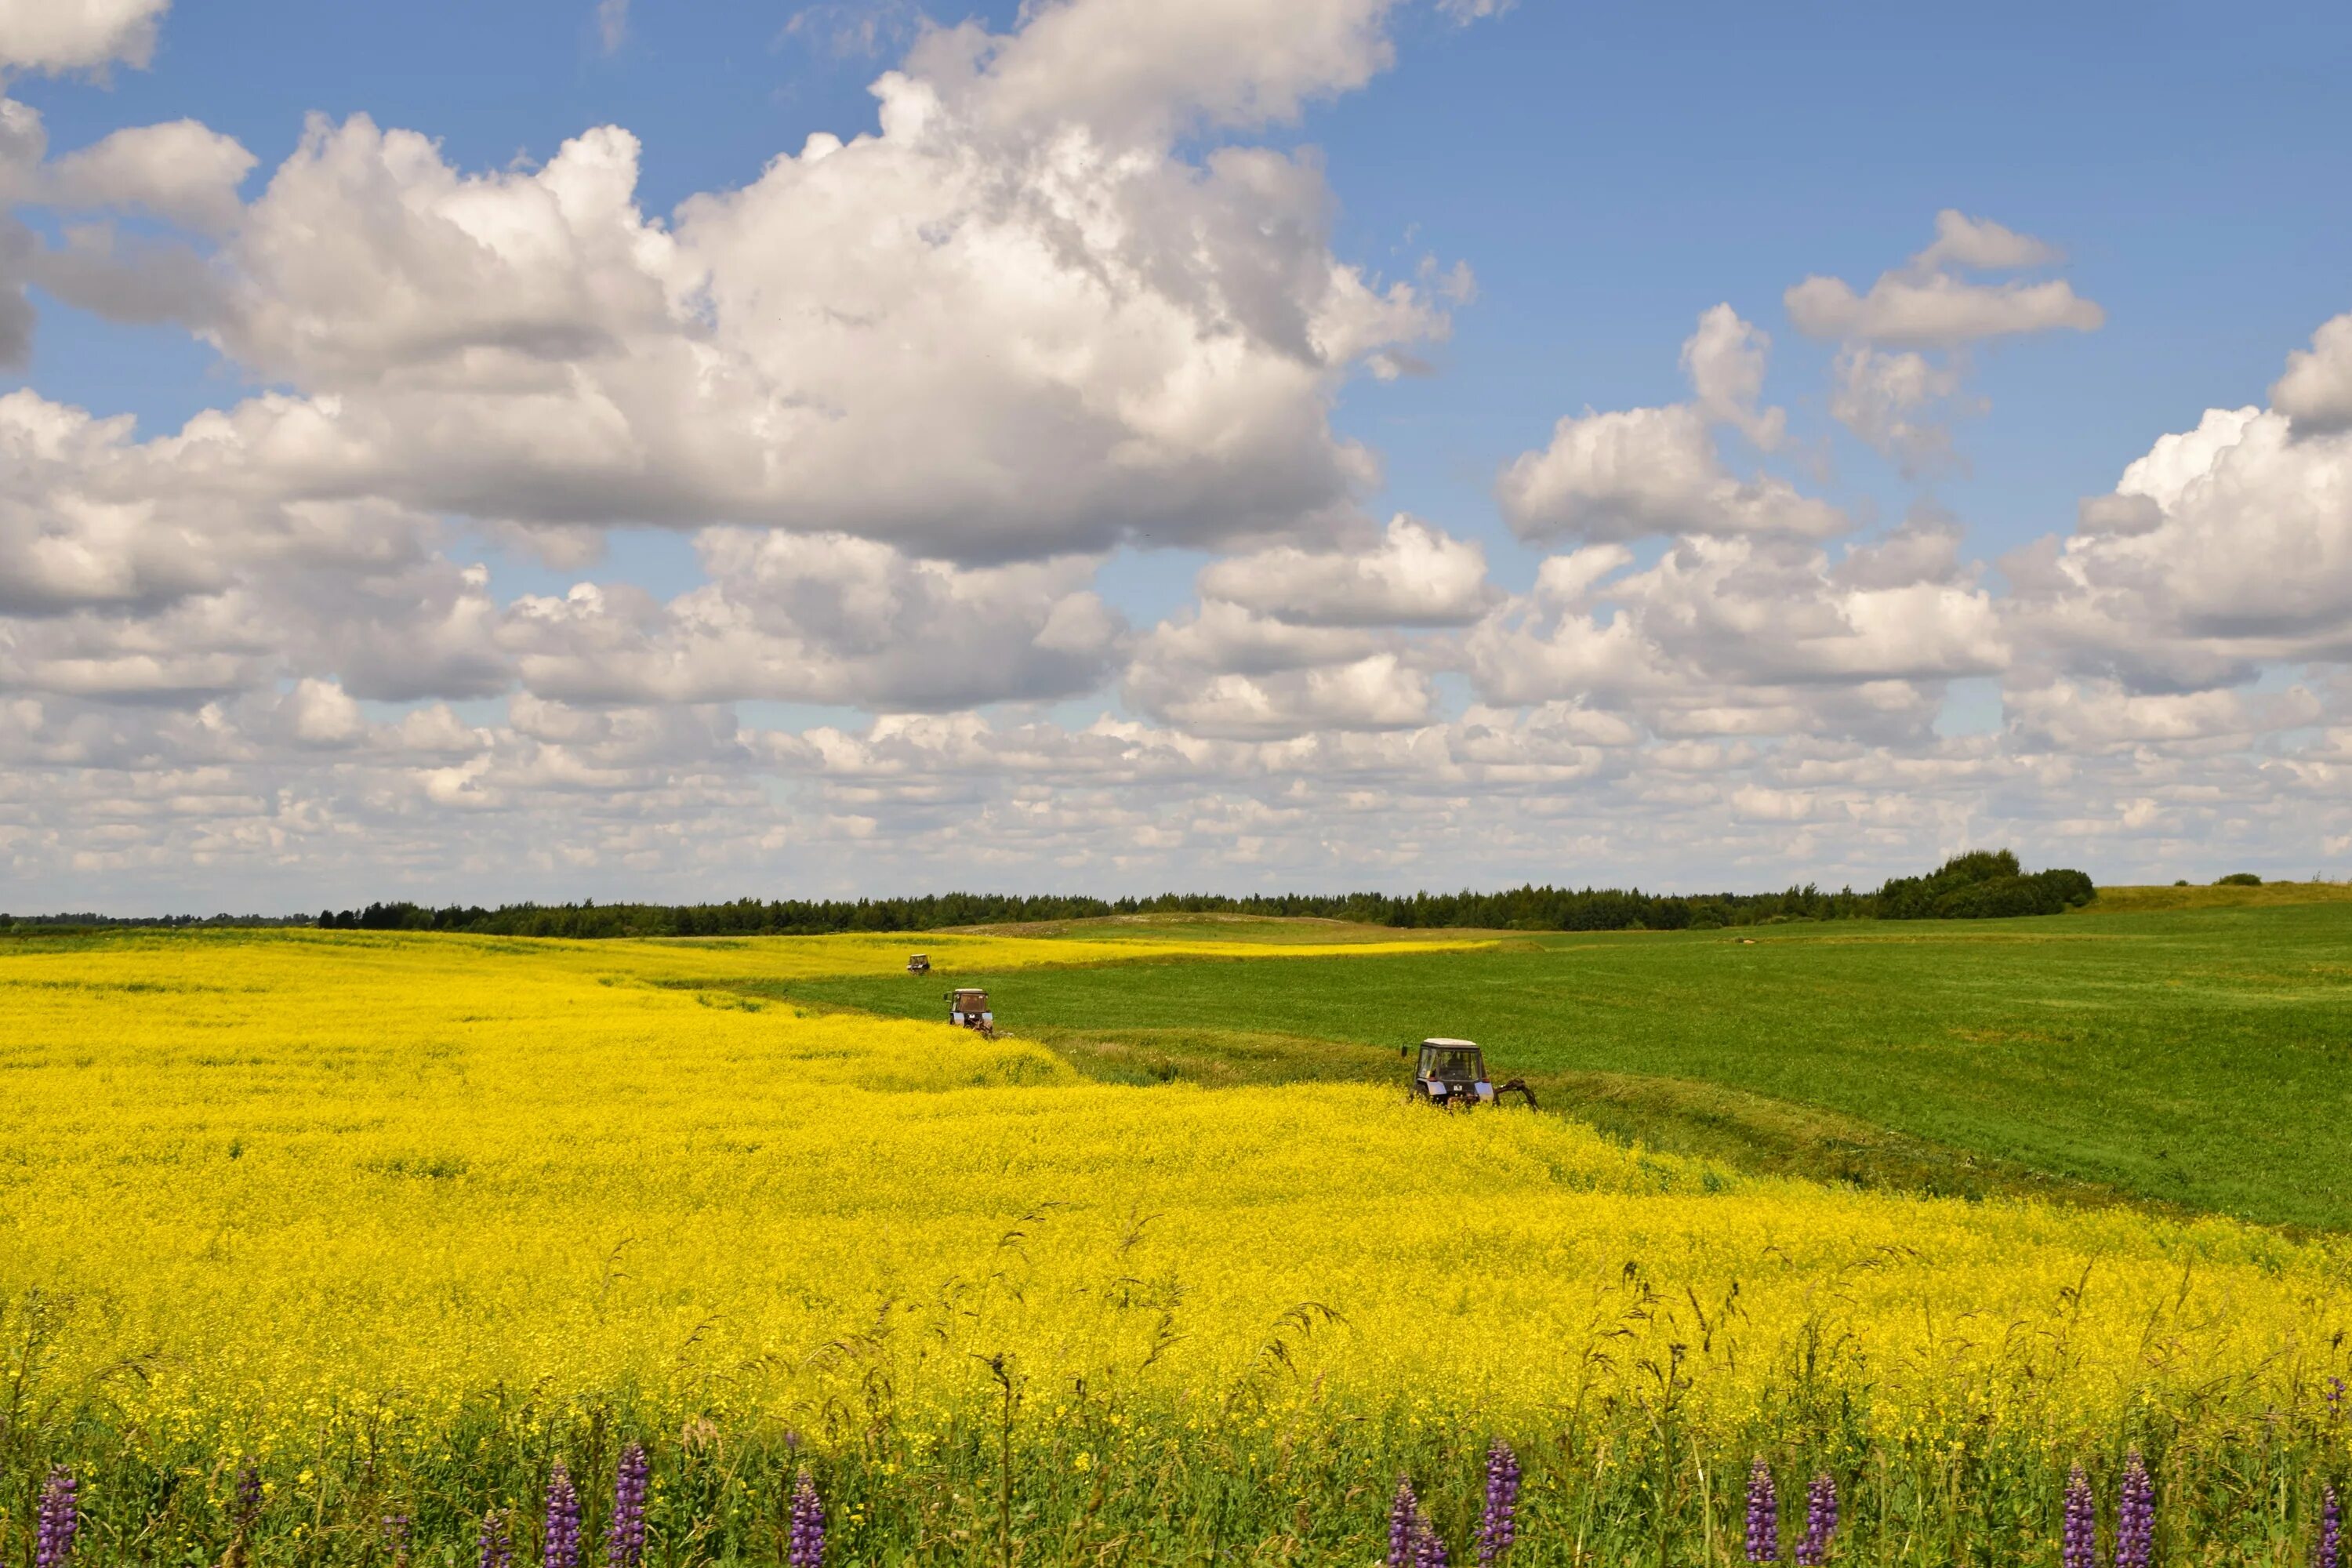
x=2079 y=1542
x=2134 y=1515
x=1500 y=1525
x=1404 y=1514
x=496 y=1542
x=1763 y=1514
x=1428 y=1546
x=2331 y=1533
x=2334 y=1398
x=560 y=1547
x=248 y=1494
x=808 y=1549
x=395 y=1532
x=57 y=1519
x=625 y=1537
x=1820 y=1521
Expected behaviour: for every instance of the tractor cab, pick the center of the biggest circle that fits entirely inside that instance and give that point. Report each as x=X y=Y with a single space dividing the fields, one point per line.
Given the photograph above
x=920 y=964
x=1453 y=1072
x=968 y=1009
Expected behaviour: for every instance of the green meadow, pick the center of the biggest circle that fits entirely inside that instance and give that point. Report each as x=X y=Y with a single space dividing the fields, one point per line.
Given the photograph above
x=2196 y=1057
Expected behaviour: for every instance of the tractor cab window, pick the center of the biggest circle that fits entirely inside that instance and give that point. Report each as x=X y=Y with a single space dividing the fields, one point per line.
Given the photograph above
x=1450 y=1067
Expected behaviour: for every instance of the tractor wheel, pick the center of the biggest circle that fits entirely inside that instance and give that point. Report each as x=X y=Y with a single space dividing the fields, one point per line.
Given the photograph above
x=1517 y=1085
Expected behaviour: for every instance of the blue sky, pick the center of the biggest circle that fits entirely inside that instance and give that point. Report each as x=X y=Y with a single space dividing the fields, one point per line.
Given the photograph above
x=1607 y=178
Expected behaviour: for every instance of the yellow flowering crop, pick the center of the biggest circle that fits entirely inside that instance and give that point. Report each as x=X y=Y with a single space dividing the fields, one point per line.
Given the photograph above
x=313 y=1167
x=268 y=1189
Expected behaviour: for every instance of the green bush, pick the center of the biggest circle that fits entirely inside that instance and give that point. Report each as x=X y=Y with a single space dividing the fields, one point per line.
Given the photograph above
x=2238 y=879
x=1984 y=884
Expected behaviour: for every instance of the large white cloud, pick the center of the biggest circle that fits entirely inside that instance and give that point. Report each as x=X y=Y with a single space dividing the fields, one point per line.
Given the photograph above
x=77 y=35
x=183 y=170
x=1227 y=671
x=1938 y=310
x=1748 y=637
x=1014 y=322
x=125 y=573
x=181 y=173
x=2225 y=548
x=2317 y=390
x=53 y=36
x=1725 y=360
x=1415 y=575
x=1288 y=642
x=827 y=619
x=1928 y=304
x=1640 y=471
x=70 y=536
x=1139 y=70
x=2101 y=715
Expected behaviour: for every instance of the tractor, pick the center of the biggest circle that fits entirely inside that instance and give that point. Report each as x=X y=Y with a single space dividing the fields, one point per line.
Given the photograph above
x=968 y=1009
x=1453 y=1072
x=920 y=964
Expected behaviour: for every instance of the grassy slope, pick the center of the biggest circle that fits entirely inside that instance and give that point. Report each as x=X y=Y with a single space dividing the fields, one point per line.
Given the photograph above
x=2145 y=901
x=2202 y=1059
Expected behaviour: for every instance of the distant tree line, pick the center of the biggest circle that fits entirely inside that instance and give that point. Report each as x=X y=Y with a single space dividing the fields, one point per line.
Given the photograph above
x=53 y=924
x=1976 y=885
x=744 y=917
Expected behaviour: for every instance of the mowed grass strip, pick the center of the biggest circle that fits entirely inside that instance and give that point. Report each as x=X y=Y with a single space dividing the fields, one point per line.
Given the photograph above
x=2200 y=1058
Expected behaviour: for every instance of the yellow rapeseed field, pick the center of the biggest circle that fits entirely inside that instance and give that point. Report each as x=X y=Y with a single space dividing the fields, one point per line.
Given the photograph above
x=291 y=1181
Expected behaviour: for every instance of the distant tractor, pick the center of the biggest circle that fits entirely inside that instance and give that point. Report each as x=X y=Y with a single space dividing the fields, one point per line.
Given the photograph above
x=920 y=964
x=1453 y=1072
x=968 y=1009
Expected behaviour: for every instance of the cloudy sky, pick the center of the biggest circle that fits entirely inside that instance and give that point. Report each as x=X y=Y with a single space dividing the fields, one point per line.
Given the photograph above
x=571 y=448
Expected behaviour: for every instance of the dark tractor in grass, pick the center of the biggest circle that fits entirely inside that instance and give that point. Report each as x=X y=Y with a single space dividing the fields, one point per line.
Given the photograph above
x=1453 y=1072
x=968 y=1009
x=920 y=964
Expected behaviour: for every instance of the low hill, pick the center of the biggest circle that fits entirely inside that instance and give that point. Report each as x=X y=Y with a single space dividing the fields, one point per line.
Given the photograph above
x=2144 y=900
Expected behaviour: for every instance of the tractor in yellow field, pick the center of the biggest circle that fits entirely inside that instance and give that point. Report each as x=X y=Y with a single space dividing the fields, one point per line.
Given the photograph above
x=1453 y=1073
x=968 y=1009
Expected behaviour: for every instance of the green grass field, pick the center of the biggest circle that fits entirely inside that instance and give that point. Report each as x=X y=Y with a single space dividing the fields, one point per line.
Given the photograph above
x=2199 y=1057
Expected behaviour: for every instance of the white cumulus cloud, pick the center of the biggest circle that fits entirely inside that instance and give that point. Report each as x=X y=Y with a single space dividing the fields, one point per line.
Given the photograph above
x=2317 y=390
x=1640 y=472
x=825 y=619
x=77 y=35
x=1927 y=304
x=183 y=170
x=1414 y=576
x=1084 y=339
